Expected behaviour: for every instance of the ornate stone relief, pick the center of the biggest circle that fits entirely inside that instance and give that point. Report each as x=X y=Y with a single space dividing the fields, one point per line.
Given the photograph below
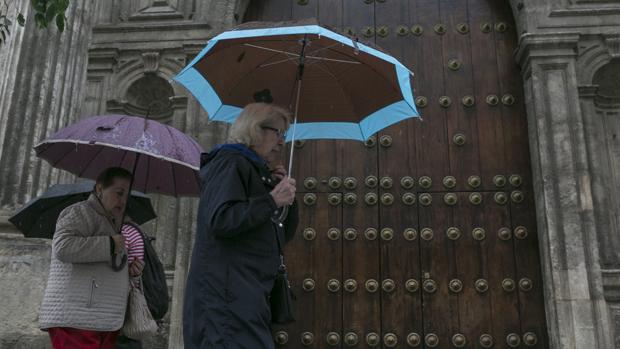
x=151 y=61
x=149 y=95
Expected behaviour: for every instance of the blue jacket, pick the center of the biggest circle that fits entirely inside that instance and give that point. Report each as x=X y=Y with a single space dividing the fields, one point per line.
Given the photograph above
x=235 y=256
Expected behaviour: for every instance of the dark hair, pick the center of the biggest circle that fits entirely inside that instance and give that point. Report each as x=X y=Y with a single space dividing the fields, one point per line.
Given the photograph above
x=107 y=176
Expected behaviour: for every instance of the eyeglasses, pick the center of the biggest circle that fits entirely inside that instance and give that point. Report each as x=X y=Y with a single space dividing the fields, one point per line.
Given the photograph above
x=279 y=133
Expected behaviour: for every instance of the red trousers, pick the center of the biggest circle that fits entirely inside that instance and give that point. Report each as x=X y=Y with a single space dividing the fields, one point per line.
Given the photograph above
x=72 y=338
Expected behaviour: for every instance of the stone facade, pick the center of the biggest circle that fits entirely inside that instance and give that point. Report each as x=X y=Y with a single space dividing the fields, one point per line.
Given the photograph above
x=119 y=56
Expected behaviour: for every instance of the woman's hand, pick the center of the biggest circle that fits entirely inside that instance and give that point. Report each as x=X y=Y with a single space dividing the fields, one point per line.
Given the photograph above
x=136 y=267
x=284 y=193
x=278 y=173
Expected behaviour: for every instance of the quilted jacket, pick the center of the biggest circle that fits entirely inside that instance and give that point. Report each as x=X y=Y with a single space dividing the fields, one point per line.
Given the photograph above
x=83 y=291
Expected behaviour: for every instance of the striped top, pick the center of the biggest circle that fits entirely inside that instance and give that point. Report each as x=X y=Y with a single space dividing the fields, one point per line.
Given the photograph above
x=133 y=243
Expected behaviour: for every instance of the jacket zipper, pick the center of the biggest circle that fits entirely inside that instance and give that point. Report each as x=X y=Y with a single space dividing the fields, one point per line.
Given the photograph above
x=93 y=286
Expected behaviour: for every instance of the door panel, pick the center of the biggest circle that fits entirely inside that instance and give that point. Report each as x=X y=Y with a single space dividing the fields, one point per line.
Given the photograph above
x=436 y=243
x=440 y=308
x=486 y=83
x=361 y=260
x=314 y=260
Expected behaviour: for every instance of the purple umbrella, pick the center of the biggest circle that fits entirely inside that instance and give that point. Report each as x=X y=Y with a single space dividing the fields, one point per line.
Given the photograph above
x=167 y=159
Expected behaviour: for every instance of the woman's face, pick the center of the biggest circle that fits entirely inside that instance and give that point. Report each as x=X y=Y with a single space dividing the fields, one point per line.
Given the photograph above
x=114 y=197
x=273 y=141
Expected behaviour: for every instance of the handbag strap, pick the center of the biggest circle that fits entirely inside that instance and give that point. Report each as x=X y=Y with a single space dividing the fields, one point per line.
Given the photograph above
x=282 y=266
x=280 y=251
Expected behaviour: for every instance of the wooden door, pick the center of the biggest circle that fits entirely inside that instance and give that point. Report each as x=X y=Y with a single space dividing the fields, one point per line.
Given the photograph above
x=424 y=236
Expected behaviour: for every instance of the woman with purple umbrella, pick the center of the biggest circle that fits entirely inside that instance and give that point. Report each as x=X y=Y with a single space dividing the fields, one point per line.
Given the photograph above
x=240 y=227
x=86 y=294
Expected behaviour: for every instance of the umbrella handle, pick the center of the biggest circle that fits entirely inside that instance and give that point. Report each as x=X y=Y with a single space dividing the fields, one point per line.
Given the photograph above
x=119 y=265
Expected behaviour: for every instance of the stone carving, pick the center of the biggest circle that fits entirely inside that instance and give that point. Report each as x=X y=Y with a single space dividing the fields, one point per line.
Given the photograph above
x=148 y=96
x=151 y=61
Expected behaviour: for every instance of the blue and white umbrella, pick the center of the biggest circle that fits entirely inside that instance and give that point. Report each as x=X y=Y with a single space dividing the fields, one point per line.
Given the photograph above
x=350 y=89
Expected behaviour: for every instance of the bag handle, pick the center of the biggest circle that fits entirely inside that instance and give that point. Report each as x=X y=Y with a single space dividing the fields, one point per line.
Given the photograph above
x=277 y=223
x=136 y=282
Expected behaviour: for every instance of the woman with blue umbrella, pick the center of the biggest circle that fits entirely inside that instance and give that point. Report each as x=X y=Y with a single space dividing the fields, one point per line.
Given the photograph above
x=338 y=88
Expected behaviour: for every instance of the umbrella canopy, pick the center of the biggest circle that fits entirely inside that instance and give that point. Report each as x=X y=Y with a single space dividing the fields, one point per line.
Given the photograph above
x=166 y=161
x=37 y=218
x=350 y=89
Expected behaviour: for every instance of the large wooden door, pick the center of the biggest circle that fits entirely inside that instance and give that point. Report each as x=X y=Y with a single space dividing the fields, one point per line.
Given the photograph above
x=424 y=236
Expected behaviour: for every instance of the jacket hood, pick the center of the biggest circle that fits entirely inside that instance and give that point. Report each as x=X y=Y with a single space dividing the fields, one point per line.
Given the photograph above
x=237 y=148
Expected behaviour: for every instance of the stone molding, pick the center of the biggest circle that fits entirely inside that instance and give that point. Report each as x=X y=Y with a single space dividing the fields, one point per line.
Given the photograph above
x=589 y=17
x=577 y=314
x=150 y=61
x=551 y=47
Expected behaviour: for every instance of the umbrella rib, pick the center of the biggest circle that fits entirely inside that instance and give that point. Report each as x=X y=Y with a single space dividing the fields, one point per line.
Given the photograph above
x=294 y=55
x=123 y=158
x=372 y=67
x=329 y=59
x=60 y=158
x=333 y=60
x=312 y=52
x=324 y=48
x=267 y=60
x=172 y=137
x=249 y=72
x=92 y=159
x=329 y=48
x=272 y=50
x=174 y=181
x=326 y=69
x=310 y=57
x=335 y=51
x=169 y=130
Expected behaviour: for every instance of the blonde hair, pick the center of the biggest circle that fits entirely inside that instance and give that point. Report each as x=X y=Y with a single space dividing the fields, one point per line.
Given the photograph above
x=247 y=128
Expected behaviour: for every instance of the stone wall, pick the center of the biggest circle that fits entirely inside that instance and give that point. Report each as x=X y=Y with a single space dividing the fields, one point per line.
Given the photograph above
x=42 y=76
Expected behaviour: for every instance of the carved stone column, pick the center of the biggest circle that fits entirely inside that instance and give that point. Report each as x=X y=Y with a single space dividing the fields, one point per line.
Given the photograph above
x=577 y=315
x=208 y=134
x=41 y=92
x=9 y=55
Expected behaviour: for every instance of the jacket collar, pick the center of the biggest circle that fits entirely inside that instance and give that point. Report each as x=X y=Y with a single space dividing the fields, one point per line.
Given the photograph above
x=96 y=205
x=242 y=149
x=257 y=162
